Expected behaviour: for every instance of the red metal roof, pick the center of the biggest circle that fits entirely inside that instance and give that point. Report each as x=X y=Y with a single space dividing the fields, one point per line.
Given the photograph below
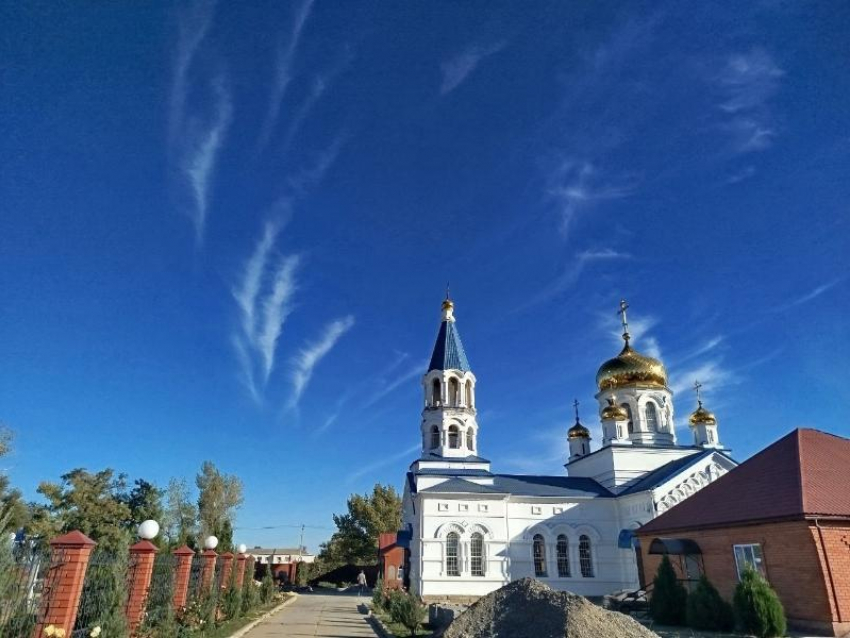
x=805 y=473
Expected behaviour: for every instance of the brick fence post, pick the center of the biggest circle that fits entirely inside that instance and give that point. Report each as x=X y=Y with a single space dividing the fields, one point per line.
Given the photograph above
x=182 y=573
x=240 y=570
x=142 y=556
x=208 y=569
x=226 y=570
x=63 y=586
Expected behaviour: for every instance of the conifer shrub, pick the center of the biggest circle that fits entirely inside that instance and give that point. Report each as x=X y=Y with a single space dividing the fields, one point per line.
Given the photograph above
x=407 y=611
x=231 y=605
x=267 y=586
x=378 y=594
x=757 y=607
x=668 y=603
x=707 y=610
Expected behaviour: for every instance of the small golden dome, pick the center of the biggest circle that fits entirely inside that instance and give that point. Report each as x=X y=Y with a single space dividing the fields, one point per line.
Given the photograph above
x=578 y=431
x=631 y=368
x=614 y=411
x=702 y=416
x=448 y=304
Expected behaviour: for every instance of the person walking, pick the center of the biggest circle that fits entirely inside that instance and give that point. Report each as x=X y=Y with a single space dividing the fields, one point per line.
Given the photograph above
x=361 y=581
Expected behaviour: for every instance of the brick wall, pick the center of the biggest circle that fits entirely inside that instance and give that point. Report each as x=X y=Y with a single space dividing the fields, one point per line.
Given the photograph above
x=832 y=543
x=792 y=562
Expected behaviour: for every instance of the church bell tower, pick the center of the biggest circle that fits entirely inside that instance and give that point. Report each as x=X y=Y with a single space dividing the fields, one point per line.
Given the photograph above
x=449 y=428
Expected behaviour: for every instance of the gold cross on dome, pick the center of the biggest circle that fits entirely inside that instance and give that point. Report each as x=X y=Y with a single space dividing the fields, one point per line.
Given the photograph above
x=575 y=405
x=622 y=312
x=697 y=387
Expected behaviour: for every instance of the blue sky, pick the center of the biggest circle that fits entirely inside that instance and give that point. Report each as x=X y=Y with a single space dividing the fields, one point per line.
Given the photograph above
x=225 y=230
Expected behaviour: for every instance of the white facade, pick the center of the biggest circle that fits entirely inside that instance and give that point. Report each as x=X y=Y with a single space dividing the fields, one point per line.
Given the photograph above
x=472 y=531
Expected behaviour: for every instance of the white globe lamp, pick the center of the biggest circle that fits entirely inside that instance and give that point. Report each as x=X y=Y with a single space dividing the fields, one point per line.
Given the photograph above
x=148 y=530
x=242 y=548
x=210 y=542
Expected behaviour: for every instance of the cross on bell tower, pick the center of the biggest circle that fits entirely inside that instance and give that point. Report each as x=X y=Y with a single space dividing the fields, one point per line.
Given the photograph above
x=624 y=319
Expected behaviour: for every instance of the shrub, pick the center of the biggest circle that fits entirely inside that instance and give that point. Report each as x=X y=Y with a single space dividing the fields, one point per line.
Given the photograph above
x=267 y=587
x=707 y=610
x=378 y=594
x=406 y=610
x=231 y=605
x=669 y=598
x=250 y=595
x=757 y=607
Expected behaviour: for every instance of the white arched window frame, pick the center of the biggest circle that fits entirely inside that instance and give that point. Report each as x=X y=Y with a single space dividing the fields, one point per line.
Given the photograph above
x=453 y=554
x=454 y=437
x=454 y=392
x=562 y=550
x=435 y=437
x=476 y=554
x=651 y=413
x=470 y=439
x=538 y=554
x=436 y=392
x=585 y=556
x=469 y=394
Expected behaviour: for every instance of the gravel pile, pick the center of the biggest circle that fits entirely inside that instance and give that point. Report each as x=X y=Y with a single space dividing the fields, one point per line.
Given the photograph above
x=529 y=609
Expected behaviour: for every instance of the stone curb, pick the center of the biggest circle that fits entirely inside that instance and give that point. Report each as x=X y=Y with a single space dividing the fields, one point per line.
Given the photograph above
x=241 y=632
x=379 y=627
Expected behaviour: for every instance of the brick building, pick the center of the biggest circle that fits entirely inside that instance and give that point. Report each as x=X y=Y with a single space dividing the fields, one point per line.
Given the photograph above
x=391 y=558
x=283 y=561
x=785 y=512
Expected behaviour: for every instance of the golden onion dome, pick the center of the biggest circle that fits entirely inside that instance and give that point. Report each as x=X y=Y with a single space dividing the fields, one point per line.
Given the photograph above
x=702 y=416
x=578 y=431
x=614 y=411
x=630 y=367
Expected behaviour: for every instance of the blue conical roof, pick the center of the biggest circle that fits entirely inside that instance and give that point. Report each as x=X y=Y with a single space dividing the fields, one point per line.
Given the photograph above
x=448 y=351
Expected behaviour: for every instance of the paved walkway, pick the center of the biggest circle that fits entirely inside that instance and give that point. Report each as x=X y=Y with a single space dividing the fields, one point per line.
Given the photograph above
x=320 y=615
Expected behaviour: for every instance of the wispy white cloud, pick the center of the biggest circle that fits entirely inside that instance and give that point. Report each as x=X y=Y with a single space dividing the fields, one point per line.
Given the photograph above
x=384 y=462
x=313 y=174
x=460 y=67
x=814 y=293
x=283 y=71
x=747 y=82
x=640 y=327
x=578 y=186
x=572 y=273
x=276 y=308
x=551 y=451
x=388 y=387
x=713 y=375
x=310 y=356
x=202 y=153
x=264 y=297
x=744 y=174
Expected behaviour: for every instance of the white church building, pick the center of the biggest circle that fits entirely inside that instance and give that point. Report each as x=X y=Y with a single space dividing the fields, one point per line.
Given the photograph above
x=469 y=530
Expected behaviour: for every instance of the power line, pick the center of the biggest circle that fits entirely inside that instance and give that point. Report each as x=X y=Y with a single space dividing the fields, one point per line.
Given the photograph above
x=299 y=526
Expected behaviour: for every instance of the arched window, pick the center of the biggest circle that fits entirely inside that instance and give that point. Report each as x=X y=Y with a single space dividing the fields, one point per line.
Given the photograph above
x=454 y=392
x=470 y=439
x=539 y=554
x=435 y=437
x=651 y=417
x=454 y=437
x=476 y=554
x=469 y=394
x=563 y=548
x=452 y=564
x=628 y=410
x=585 y=558
x=436 y=392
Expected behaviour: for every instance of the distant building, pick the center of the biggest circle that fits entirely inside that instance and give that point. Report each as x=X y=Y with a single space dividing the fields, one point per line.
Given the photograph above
x=786 y=513
x=391 y=558
x=283 y=561
x=471 y=531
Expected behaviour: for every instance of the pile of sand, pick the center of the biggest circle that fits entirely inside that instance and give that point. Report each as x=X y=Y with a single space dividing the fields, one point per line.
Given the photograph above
x=529 y=609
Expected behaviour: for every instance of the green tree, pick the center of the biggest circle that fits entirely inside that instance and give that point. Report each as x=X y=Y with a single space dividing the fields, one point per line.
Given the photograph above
x=180 y=515
x=13 y=510
x=757 y=607
x=93 y=503
x=668 y=604
x=219 y=496
x=356 y=538
x=407 y=611
x=707 y=609
x=145 y=502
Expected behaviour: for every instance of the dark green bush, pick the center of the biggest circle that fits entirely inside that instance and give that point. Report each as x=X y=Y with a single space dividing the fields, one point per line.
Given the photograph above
x=231 y=605
x=406 y=610
x=707 y=610
x=668 y=603
x=267 y=588
x=757 y=607
x=378 y=594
